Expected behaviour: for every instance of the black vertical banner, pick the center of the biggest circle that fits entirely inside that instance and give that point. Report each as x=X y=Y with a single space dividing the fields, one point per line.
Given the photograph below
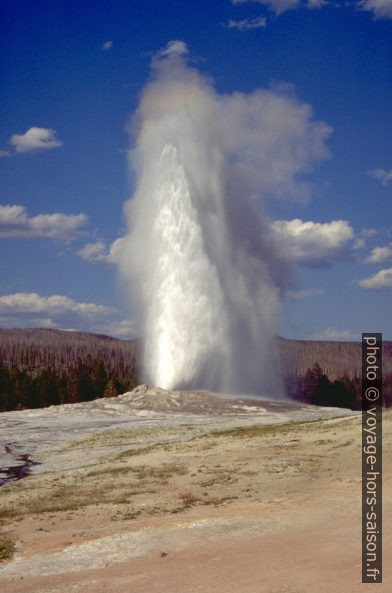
x=372 y=458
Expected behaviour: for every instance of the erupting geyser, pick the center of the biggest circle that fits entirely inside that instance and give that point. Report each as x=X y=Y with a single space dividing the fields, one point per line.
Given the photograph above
x=200 y=258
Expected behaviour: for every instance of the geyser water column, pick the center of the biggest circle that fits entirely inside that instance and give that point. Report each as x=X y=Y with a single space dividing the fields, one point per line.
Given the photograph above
x=185 y=315
x=198 y=255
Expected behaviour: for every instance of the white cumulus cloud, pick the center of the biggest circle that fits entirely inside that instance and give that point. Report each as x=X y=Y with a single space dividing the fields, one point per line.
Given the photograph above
x=15 y=222
x=93 y=252
x=62 y=312
x=313 y=243
x=35 y=139
x=380 y=255
x=174 y=49
x=97 y=252
x=382 y=175
x=247 y=24
x=378 y=281
x=4 y=154
x=382 y=9
x=316 y=3
x=277 y=6
x=33 y=310
x=32 y=302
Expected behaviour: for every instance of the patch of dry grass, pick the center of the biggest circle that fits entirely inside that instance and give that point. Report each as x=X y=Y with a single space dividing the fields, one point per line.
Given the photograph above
x=256 y=431
x=108 y=484
x=134 y=452
x=188 y=499
x=125 y=436
x=7 y=546
x=115 y=437
x=279 y=429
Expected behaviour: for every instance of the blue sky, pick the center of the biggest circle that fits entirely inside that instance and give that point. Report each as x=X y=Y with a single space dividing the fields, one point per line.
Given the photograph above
x=71 y=77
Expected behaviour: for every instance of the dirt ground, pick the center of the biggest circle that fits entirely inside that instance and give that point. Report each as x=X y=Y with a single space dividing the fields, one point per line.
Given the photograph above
x=251 y=509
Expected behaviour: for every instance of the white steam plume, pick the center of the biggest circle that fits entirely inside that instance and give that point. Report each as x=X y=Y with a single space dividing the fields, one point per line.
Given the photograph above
x=204 y=271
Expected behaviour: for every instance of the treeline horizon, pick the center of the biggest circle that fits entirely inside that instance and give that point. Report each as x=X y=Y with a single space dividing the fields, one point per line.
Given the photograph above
x=327 y=373
x=43 y=367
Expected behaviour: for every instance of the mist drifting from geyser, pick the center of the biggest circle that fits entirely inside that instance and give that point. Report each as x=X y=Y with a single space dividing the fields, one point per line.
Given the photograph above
x=203 y=267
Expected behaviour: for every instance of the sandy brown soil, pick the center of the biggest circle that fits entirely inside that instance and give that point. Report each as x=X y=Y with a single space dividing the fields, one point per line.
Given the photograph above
x=274 y=509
